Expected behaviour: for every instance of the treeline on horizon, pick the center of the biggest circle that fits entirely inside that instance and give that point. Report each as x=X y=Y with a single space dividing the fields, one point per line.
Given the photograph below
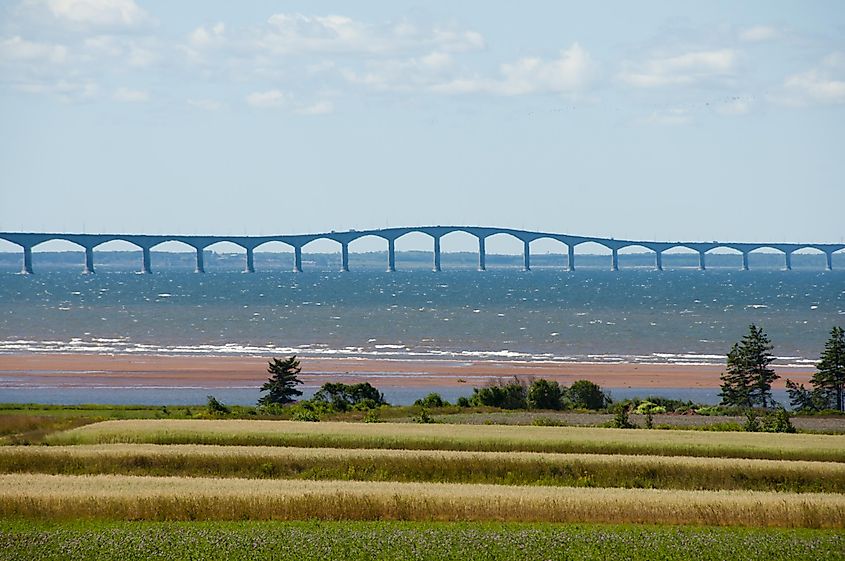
x=10 y=261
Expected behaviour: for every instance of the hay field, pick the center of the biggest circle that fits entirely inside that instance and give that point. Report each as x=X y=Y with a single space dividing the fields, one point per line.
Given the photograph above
x=816 y=447
x=179 y=498
x=511 y=468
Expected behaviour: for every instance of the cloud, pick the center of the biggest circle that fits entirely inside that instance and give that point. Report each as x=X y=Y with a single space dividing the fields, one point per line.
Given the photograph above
x=568 y=73
x=203 y=37
x=823 y=85
x=64 y=90
x=688 y=68
x=131 y=96
x=735 y=106
x=271 y=98
x=758 y=33
x=19 y=49
x=205 y=104
x=668 y=117
x=318 y=108
x=121 y=13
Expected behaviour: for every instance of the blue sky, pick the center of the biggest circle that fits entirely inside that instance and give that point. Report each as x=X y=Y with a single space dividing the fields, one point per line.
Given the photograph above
x=668 y=120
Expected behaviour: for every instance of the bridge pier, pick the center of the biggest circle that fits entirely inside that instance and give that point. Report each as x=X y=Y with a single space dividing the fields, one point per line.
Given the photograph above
x=297 y=259
x=250 y=261
x=570 y=250
x=701 y=261
x=526 y=255
x=744 y=260
x=344 y=257
x=482 y=255
x=89 y=261
x=788 y=257
x=437 y=254
x=146 y=265
x=829 y=260
x=27 y=260
x=658 y=256
x=614 y=259
x=391 y=255
x=200 y=261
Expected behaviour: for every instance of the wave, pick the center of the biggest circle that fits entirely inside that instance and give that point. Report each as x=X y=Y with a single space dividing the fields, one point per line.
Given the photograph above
x=381 y=352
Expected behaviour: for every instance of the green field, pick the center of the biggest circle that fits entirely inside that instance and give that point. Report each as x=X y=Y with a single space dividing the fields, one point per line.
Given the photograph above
x=389 y=541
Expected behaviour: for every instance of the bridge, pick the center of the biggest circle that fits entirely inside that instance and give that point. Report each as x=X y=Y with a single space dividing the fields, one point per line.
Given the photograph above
x=28 y=240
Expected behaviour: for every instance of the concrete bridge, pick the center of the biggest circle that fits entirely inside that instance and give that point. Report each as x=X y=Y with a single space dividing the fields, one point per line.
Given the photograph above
x=89 y=242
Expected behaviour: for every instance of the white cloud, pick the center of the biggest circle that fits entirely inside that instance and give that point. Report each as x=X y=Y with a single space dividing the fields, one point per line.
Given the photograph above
x=124 y=13
x=131 y=96
x=318 y=108
x=688 y=68
x=298 y=33
x=271 y=98
x=203 y=37
x=824 y=84
x=668 y=117
x=205 y=104
x=758 y=33
x=569 y=73
x=63 y=89
x=19 y=49
x=735 y=106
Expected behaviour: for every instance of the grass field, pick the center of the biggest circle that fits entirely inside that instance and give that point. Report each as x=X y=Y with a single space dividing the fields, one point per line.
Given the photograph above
x=511 y=468
x=498 y=438
x=121 y=497
x=393 y=541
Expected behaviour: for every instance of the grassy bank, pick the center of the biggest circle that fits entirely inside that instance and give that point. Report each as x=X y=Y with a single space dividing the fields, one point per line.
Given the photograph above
x=497 y=438
x=170 y=498
x=395 y=541
x=510 y=468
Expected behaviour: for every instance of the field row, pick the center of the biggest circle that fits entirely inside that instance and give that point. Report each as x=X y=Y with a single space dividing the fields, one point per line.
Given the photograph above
x=177 y=498
x=510 y=468
x=392 y=541
x=498 y=438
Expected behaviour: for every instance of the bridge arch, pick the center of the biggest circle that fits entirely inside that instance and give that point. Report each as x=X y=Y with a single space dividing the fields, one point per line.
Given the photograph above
x=762 y=250
x=124 y=246
x=726 y=250
x=176 y=251
x=419 y=249
x=632 y=256
x=370 y=242
x=550 y=245
x=683 y=256
x=583 y=253
x=322 y=251
x=501 y=246
x=225 y=255
x=61 y=244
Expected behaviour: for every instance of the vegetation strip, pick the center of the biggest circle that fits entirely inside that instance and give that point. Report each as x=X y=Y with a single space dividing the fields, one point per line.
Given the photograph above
x=398 y=541
x=173 y=498
x=513 y=468
x=815 y=447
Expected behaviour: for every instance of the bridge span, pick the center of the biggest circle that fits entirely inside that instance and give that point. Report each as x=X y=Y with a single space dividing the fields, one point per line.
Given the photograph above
x=88 y=242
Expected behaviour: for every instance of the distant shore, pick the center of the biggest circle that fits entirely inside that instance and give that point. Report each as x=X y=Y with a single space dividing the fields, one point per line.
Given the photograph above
x=139 y=371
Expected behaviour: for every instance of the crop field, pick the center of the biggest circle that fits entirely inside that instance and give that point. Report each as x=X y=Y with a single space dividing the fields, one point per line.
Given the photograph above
x=394 y=541
x=238 y=489
x=487 y=438
x=437 y=466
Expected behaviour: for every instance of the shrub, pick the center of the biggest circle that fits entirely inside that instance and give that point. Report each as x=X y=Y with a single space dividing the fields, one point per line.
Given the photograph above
x=424 y=417
x=545 y=394
x=510 y=395
x=432 y=400
x=463 y=402
x=620 y=419
x=372 y=416
x=778 y=421
x=752 y=421
x=342 y=397
x=585 y=394
x=214 y=407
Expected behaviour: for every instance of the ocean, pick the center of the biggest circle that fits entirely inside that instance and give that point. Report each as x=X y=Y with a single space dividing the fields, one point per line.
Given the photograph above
x=585 y=316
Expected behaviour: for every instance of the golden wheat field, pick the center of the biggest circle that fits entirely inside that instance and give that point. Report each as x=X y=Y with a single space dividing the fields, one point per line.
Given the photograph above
x=820 y=447
x=525 y=468
x=179 y=498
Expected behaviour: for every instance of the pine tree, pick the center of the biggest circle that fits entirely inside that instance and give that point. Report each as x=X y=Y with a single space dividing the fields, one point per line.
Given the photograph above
x=282 y=382
x=748 y=379
x=829 y=379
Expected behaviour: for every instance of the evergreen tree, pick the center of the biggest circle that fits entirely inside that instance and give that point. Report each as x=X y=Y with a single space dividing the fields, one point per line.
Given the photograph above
x=748 y=379
x=829 y=379
x=282 y=382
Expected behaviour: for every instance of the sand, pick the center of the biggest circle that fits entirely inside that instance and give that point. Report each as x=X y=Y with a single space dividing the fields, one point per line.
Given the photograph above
x=92 y=370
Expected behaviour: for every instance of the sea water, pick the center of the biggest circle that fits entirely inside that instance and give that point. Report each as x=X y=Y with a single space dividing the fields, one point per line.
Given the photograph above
x=587 y=316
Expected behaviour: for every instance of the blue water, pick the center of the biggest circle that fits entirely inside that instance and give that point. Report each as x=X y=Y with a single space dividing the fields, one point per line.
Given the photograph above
x=680 y=316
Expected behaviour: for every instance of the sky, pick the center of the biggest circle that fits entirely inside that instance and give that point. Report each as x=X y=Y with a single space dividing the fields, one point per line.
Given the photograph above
x=667 y=120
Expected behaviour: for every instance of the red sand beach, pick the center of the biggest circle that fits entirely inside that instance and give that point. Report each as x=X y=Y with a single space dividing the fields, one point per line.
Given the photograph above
x=228 y=371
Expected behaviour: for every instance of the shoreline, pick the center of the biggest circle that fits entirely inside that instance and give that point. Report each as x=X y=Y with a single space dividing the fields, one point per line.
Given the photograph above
x=79 y=370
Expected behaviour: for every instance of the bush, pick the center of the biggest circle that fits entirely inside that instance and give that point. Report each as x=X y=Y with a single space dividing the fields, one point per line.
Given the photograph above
x=752 y=421
x=620 y=419
x=214 y=407
x=545 y=394
x=778 y=421
x=585 y=394
x=342 y=397
x=510 y=395
x=463 y=402
x=372 y=416
x=424 y=417
x=432 y=400
x=649 y=408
